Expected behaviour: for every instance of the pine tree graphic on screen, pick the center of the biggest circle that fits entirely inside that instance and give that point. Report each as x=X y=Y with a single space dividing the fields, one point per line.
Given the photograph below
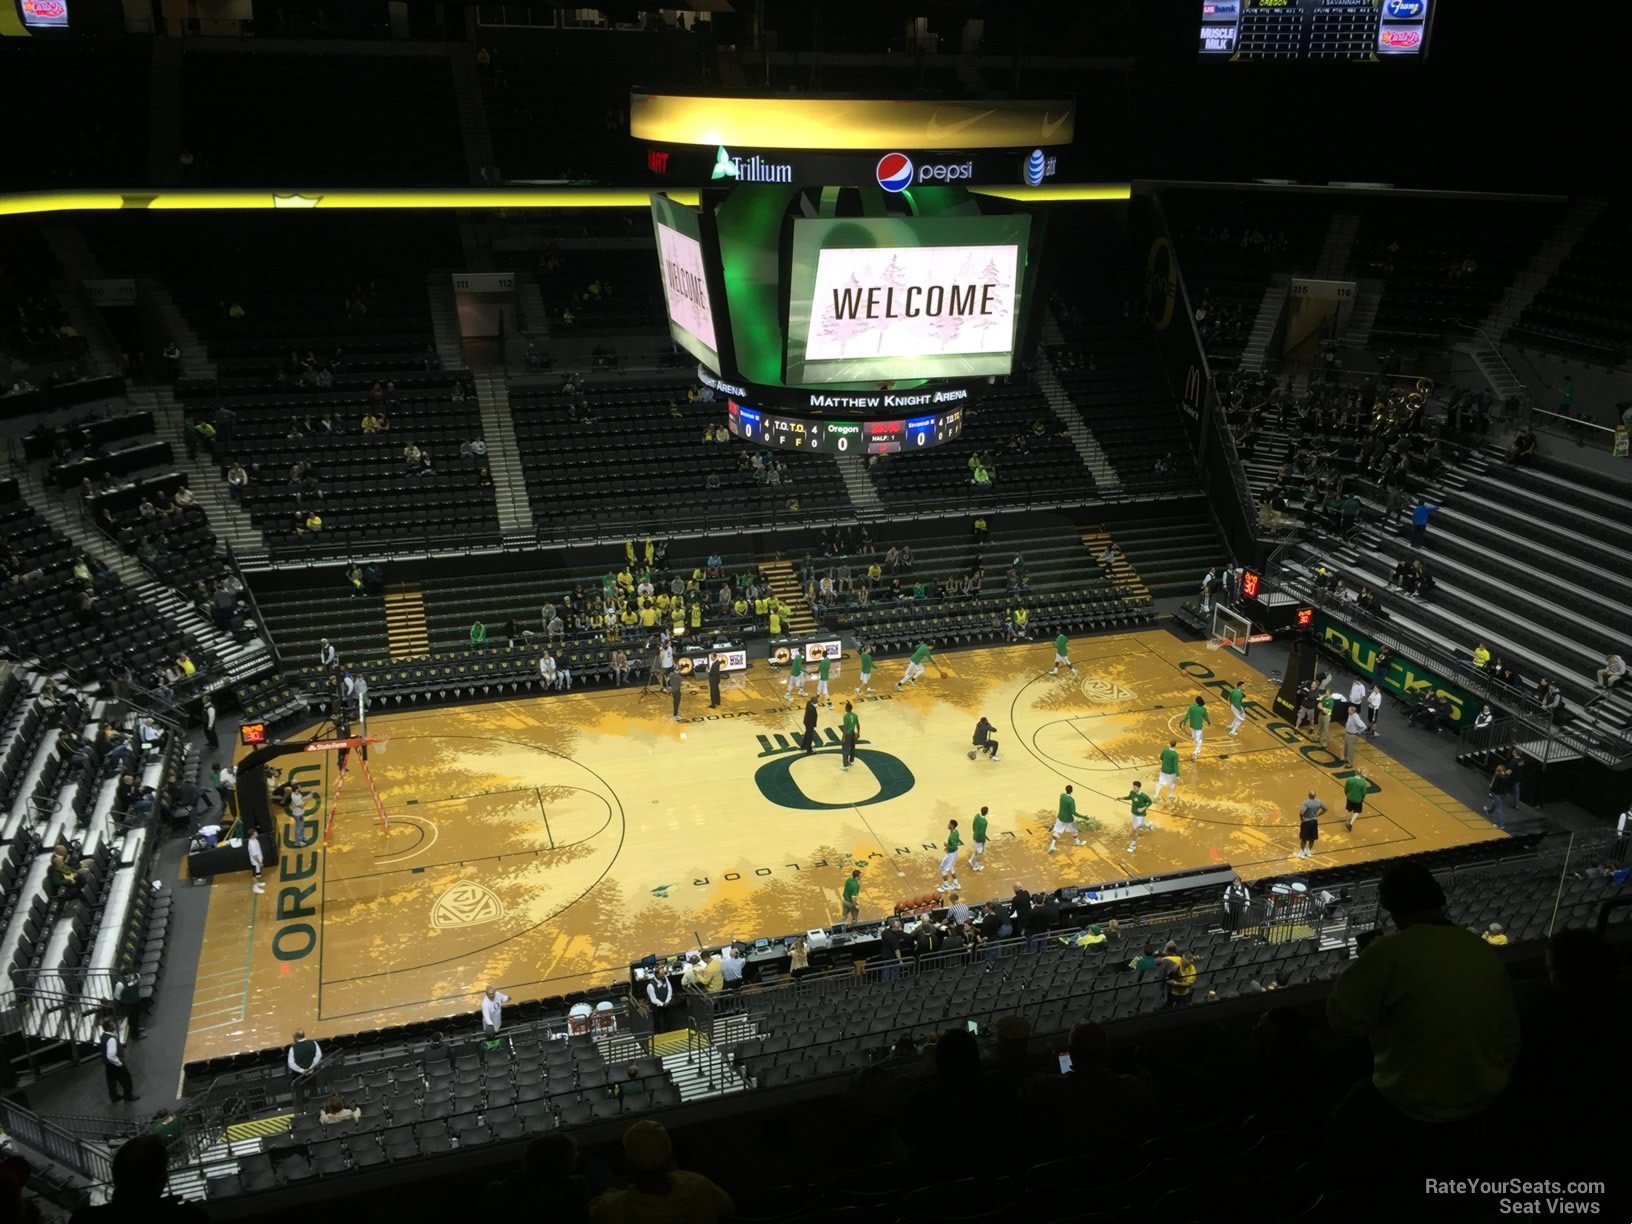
x=842 y=330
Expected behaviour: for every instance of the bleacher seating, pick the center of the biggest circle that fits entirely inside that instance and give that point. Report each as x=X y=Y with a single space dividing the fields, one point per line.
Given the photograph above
x=1021 y=443
x=1585 y=309
x=258 y=119
x=1437 y=269
x=34 y=327
x=1229 y=245
x=81 y=624
x=640 y=463
x=1063 y=589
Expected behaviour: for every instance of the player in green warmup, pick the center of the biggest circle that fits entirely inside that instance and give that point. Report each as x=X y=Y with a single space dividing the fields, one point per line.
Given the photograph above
x=977 y=853
x=915 y=665
x=949 y=861
x=1065 y=820
x=1141 y=804
x=1238 y=707
x=1062 y=645
x=796 y=673
x=866 y=668
x=851 y=910
x=1169 y=775
x=1195 y=717
x=1355 y=790
x=823 y=668
x=850 y=726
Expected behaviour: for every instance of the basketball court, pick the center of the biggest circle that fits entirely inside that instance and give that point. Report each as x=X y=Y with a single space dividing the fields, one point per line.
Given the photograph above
x=541 y=844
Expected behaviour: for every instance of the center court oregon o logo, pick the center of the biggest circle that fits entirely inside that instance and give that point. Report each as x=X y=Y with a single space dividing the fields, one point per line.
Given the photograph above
x=775 y=780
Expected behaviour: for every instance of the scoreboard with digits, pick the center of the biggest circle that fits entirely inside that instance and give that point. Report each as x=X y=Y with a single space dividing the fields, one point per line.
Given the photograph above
x=782 y=430
x=1351 y=30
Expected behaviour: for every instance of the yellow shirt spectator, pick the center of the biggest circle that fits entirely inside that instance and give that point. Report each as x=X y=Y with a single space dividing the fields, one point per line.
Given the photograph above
x=1481 y=655
x=648 y=616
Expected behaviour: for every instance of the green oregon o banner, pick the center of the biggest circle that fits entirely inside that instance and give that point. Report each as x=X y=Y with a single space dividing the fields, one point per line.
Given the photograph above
x=775 y=781
x=1161 y=283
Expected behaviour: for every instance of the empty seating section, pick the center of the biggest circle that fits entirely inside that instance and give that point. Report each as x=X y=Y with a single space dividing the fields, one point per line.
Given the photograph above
x=261 y=119
x=317 y=327
x=565 y=115
x=1023 y=446
x=429 y=1098
x=1573 y=526
x=82 y=622
x=1229 y=245
x=640 y=463
x=1108 y=372
x=1443 y=262
x=1172 y=547
x=96 y=135
x=1585 y=308
x=34 y=327
x=1057 y=581
x=603 y=288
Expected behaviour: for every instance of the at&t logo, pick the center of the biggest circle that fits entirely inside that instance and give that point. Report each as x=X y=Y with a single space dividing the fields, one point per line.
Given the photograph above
x=1037 y=167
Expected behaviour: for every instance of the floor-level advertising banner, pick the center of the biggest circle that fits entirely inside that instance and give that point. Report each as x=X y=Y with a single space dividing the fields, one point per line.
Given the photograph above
x=1405 y=679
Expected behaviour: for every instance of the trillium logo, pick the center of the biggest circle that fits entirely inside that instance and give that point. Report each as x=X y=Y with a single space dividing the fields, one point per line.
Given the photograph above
x=724 y=166
x=754 y=169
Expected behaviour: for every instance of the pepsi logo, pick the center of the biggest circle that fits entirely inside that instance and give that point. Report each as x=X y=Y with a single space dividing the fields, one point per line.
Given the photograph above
x=1399 y=40
x=1035 y=168
x=895 y=172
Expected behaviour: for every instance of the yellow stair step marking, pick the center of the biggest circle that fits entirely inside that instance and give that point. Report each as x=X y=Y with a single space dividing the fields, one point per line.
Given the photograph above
x=406 y=633
x=260 y=1128
x=1124 y=578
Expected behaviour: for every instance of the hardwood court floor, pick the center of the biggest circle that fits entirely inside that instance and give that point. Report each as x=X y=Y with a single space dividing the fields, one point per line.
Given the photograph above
x=542 y=844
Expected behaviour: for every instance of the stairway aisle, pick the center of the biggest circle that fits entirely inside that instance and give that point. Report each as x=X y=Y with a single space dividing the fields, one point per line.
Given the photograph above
x=1264 y=324
x=1338 y=246
x=450 y=346
x=504 y=459
x=1547 y=260
x=1124 y=578
x=227 y=518
x=784 y=583
x=1068 y=414
x=467 y=91
x=858 y=483
x=195 y=358
x=407 y=635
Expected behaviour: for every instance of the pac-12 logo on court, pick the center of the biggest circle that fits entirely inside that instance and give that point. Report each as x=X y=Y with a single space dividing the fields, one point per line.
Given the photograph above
x=466 y=904
x=1096 y=689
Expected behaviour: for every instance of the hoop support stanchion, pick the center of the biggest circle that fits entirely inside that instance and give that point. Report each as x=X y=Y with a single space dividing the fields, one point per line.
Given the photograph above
x=349 y=744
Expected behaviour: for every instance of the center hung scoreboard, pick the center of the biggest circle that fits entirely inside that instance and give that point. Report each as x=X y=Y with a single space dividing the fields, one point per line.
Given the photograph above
x=840 y=285
x=1355 y=31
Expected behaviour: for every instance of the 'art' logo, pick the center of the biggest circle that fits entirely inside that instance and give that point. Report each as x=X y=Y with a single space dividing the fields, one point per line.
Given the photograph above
x=895 y=172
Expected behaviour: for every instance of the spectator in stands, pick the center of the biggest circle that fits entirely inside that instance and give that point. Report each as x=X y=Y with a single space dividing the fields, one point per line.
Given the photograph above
x=141 y=1169
x=619 y=665
x=1179 y=975
x=478 y=635
x=1523 y=449
x=335 y=1110
x=1550 y=698
x=548 y=1175
x=1613 y=672
x=1091 y=1085
x=657 y=1192
x=1495 y=936
x=895 y=943
x=1434 y=1002
x=1237 y=899
x=660 y=997
x=1419 y=521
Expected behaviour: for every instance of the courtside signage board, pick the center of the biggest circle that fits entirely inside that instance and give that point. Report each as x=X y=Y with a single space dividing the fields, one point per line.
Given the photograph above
x=685 y=280
x=878 y=299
